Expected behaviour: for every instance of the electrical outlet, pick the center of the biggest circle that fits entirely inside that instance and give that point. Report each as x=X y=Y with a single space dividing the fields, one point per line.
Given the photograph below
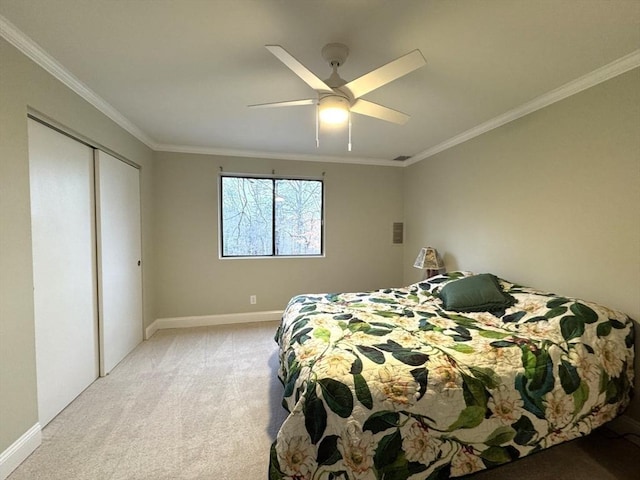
x=253 y=300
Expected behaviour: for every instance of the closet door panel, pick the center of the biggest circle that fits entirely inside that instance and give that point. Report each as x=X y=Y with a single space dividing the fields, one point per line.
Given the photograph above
x=64 y=267
x=119 y=257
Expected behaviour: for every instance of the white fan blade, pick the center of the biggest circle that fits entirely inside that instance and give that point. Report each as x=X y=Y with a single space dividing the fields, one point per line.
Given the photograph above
x=385 y=74
x=371 y=109
x=303 y=72
x=290 y=103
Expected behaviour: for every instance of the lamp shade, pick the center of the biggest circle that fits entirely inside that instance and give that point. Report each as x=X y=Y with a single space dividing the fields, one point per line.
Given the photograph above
x=428 y=258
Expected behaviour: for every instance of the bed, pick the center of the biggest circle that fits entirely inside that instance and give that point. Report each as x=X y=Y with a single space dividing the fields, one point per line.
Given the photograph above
x=443 y=378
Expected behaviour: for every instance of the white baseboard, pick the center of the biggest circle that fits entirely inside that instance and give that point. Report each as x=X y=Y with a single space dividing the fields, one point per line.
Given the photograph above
x=625 y=424
x=209 y=320
x=19 y=450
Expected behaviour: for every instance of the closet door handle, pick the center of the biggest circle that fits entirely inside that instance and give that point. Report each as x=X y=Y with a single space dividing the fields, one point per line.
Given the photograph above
x=139 y=262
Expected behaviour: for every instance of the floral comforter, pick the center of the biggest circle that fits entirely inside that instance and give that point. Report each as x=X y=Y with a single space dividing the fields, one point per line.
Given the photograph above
x=388 y=385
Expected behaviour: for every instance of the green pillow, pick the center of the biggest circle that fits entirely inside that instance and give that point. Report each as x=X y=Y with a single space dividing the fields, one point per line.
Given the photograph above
x=478 y=293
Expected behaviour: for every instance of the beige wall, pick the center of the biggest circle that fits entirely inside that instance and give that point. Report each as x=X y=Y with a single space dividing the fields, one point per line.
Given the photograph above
x=361 y=204
x=551 y=200
x=24 y=85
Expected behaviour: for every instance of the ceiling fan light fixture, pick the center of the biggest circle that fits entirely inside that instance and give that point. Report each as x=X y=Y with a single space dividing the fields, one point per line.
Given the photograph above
x=333 y=109
x=337 y=99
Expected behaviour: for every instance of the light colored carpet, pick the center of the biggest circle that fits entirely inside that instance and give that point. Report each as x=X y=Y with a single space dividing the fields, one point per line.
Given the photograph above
x=205 y=403
x=200 y=403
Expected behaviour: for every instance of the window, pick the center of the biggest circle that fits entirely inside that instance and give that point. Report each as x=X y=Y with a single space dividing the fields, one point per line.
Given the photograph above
x=263 y=217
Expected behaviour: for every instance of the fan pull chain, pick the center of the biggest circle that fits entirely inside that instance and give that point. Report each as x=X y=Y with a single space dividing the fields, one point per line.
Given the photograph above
x=317 y=125
x=349 y=144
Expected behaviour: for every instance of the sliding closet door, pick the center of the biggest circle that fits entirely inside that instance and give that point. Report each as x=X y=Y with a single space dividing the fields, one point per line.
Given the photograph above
x=119 y=257
x=64 y=267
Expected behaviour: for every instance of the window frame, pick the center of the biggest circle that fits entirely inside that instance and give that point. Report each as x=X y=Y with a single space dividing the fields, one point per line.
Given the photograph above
x=273 y=178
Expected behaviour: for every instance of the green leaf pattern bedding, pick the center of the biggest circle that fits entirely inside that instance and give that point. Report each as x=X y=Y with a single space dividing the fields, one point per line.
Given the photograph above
x=388 y=385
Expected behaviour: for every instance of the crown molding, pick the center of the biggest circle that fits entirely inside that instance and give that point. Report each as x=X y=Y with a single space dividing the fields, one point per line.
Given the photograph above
x=300 y=157
x=38 y=55
x=31 y=49
x=602 y=74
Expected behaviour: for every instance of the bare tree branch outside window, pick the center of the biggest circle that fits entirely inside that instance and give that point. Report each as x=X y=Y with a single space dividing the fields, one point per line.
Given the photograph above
x=271 y=216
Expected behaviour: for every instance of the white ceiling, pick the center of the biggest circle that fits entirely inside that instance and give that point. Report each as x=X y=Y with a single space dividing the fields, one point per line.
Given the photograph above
x=179 y=74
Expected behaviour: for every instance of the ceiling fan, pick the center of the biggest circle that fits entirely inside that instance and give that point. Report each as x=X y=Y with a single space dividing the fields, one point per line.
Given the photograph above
x=337 y=98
